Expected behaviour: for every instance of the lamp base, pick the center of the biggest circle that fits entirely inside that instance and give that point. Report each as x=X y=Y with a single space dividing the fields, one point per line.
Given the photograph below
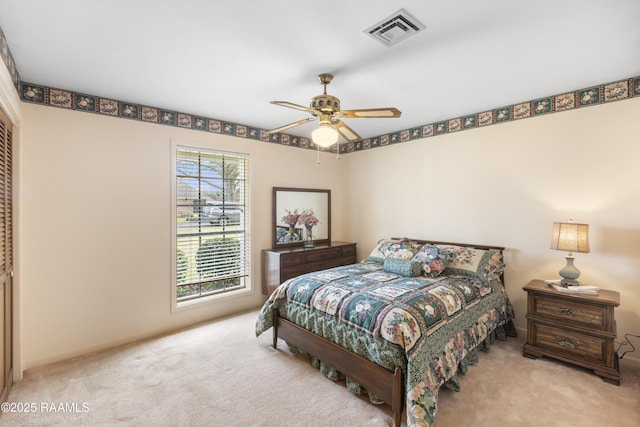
x=569 y=273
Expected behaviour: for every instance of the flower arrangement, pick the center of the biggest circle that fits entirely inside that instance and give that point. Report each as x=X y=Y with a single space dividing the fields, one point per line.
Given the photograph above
x=291 y=218
x=308 y=219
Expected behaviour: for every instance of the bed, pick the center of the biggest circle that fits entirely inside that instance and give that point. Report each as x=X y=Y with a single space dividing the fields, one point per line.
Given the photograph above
x=399 y=325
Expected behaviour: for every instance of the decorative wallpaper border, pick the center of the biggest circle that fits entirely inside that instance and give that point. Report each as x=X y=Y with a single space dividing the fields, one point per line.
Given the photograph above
x=61 y=98
x=7 y=58
x=594 y=95
x=38 y=94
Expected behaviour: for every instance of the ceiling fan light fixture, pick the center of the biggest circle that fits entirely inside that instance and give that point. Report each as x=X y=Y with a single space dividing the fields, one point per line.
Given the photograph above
x=324 y=136
x=326 y=109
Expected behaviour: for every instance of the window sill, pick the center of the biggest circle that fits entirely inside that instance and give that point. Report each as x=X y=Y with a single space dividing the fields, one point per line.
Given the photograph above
x=178 y=306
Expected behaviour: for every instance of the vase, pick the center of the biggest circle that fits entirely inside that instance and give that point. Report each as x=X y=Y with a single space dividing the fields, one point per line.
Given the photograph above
x=309 y=240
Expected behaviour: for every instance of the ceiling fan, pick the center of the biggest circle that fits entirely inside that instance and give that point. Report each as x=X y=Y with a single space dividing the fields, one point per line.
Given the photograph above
x=326 y=109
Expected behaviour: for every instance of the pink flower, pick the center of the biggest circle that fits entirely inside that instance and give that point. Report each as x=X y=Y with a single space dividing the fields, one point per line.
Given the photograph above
x=308 y=219
x=291 y=218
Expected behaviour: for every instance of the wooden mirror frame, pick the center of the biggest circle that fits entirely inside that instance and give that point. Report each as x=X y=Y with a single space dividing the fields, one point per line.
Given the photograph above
x=319 y=201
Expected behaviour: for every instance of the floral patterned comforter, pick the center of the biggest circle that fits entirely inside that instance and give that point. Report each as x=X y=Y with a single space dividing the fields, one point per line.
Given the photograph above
x=427 y=326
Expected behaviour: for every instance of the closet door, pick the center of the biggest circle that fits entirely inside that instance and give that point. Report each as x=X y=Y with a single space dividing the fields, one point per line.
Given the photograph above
x=6 y=258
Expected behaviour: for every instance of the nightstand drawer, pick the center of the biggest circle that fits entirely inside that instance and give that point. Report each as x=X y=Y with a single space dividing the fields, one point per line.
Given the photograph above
x=573 y=344
x=571 y=312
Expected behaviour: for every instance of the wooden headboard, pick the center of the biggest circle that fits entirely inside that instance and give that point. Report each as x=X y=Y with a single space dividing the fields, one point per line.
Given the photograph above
x=469 y=245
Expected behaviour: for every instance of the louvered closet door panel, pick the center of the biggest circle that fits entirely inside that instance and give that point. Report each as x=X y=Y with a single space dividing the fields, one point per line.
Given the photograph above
x=9 y=205
x=4 y=386
x=6 y=183
x=6 y=257
x=4 y=136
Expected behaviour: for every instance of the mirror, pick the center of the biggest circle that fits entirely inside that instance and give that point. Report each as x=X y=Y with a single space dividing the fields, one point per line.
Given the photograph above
x=288 y=206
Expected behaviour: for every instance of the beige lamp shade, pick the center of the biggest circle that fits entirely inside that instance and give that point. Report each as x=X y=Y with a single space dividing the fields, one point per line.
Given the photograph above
x=570 y=236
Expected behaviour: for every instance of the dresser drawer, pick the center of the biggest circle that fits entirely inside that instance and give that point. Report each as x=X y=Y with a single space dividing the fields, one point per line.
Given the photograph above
x=322 y=255
x=573 y=344
x=279 y=265
x=571 y=312
x=349 y=250
x=291 y=259
x=295 y=270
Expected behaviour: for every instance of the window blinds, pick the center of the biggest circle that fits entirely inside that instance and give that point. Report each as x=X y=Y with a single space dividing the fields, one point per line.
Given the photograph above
x=212 y=222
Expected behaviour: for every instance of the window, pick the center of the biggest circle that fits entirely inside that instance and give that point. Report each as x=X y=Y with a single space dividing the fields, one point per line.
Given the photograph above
x=211 y=223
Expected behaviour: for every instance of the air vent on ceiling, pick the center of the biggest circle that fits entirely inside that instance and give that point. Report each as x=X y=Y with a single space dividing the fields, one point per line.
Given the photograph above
x=395 y=28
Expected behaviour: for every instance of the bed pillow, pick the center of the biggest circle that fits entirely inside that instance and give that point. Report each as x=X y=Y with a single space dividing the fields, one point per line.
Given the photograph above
x=393 y=248
x=432 y=259
x=485 y=265
x=402 y=267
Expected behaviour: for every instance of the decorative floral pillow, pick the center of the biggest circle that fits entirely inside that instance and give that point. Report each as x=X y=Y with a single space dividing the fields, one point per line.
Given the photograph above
x=485 y=265
x=402 y=267
x=389 y=248
x=432 y=259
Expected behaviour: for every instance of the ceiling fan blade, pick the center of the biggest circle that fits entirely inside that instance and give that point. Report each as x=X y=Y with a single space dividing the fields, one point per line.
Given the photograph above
x=294 y=106
x=290 y=125
x=371 y=113
x=346 y=132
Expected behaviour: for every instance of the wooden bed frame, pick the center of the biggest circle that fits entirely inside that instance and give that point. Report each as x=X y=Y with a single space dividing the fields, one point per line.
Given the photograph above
x=385 y=384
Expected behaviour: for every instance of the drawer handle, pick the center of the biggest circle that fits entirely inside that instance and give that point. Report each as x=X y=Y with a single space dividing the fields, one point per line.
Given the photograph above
x=567 y=312
x=566 y=342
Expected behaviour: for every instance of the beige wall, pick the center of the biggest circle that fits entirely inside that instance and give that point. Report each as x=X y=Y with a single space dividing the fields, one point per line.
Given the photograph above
x=94 y=212
x=96 y=261
x=505 y=185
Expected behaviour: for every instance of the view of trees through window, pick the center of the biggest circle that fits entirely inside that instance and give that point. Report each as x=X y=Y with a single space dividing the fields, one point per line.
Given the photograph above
x=212 y=222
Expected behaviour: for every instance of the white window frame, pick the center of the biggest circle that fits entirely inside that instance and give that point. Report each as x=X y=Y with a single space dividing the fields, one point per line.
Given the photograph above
x=176 y=305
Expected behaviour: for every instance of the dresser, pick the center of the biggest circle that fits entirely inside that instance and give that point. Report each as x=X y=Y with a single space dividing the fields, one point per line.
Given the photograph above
x=279 y=265
x=575 y=328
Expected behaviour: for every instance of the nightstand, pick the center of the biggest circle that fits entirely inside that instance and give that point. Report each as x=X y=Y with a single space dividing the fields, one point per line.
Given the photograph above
x=279 y=265
x=577 y=329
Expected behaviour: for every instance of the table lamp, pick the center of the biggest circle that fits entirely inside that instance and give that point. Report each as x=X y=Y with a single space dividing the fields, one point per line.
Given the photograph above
x=570 y=237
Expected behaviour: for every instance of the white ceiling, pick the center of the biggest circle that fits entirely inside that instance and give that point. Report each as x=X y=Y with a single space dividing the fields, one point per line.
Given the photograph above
x=226 y=59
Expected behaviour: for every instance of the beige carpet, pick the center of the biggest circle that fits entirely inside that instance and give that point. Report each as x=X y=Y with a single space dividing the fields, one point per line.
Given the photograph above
x=220 y=374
